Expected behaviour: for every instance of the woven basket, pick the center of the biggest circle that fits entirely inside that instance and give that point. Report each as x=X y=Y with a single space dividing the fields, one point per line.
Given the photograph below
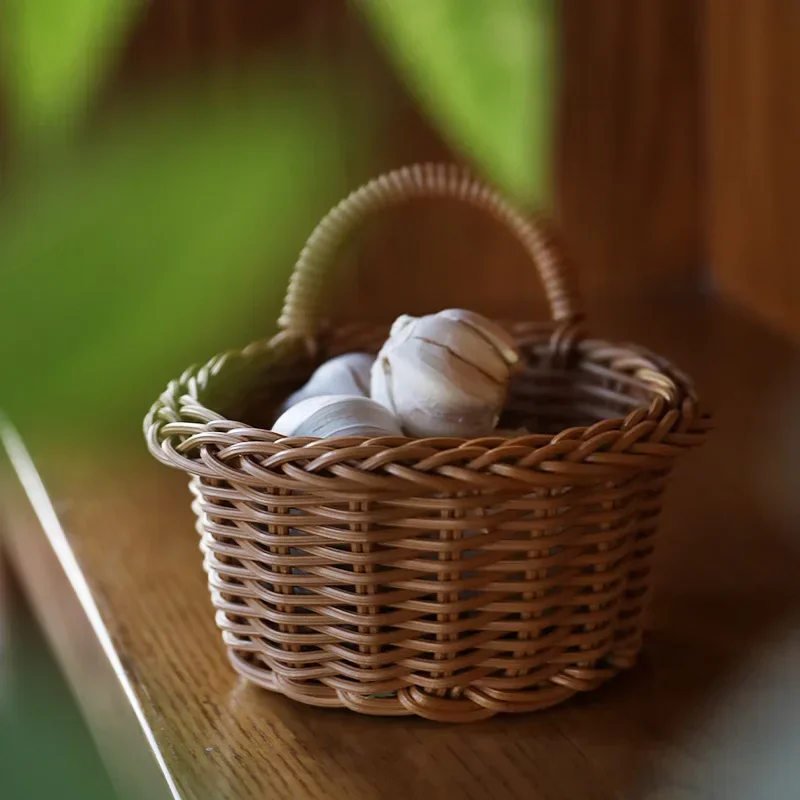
x=445 y=578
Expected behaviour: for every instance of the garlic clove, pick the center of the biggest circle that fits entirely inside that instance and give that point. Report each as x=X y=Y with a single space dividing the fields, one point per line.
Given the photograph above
x=327 y=416
x=348 y=374
x=464 y=342
x=434 y=394
x=445 y=374
x=401 y=324
x=495 y=334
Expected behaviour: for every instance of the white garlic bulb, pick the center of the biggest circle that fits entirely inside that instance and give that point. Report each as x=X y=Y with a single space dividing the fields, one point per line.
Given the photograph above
x=346 y=374
x=445 y=374
x=331 y=415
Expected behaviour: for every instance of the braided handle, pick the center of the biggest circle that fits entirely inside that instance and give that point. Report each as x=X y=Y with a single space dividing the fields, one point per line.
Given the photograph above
x=301 y=308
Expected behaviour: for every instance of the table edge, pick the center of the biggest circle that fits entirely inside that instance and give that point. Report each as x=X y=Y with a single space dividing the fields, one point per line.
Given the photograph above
x=149 y=757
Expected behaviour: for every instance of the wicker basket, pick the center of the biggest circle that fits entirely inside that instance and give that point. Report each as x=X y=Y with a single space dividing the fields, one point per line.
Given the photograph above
x=446 y=578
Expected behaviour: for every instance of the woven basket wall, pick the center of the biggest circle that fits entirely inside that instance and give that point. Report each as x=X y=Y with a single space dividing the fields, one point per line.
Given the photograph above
x=446 y=578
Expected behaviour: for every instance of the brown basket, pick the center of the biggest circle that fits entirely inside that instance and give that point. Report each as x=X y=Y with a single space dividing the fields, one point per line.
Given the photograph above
x=446 y=578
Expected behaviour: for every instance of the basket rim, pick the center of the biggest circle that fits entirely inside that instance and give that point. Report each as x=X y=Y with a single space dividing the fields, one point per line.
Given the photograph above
x=179 y=426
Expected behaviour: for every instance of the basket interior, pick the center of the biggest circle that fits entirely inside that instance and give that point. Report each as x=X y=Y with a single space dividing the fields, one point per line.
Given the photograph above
x=542 y=398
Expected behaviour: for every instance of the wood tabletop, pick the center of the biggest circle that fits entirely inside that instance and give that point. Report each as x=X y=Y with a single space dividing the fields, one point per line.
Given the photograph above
x=103 y=541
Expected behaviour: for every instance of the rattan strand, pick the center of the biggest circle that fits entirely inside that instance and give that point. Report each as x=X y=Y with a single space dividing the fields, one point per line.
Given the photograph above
x=445 y=578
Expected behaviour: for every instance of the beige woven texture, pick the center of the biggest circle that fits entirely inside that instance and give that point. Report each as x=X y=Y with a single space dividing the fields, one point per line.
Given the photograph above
x=445 y=578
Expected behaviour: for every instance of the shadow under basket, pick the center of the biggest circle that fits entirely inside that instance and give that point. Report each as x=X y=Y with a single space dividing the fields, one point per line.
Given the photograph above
x=446 y=578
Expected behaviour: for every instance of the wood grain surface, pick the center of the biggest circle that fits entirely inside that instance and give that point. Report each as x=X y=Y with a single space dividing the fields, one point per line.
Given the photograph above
x=753 y=127
x=705 y=715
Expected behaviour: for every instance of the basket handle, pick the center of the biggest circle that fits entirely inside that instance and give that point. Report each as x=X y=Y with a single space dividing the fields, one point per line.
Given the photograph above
x=300 y=315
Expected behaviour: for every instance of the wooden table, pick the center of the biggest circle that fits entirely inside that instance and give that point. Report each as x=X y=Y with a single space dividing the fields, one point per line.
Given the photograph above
x=104 y=544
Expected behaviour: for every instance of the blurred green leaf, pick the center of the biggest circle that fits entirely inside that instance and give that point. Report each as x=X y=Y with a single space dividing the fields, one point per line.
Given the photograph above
x=54 y=55
x=484 y=70
x=167 y=240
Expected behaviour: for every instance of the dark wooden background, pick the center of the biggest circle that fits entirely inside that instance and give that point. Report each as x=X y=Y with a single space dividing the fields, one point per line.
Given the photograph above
x=752 y=71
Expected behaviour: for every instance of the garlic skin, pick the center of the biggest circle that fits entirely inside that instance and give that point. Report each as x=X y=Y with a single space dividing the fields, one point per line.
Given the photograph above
x=327 y=416
x=445 y=374
x=346 y=374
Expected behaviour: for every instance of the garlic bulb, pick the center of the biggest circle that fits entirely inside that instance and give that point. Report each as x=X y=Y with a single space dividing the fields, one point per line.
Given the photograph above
x=445 y=374
x=346 y=374
x=331 y=415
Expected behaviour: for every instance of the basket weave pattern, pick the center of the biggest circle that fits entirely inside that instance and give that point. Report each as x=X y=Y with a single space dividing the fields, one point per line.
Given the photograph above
x=446 y=578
